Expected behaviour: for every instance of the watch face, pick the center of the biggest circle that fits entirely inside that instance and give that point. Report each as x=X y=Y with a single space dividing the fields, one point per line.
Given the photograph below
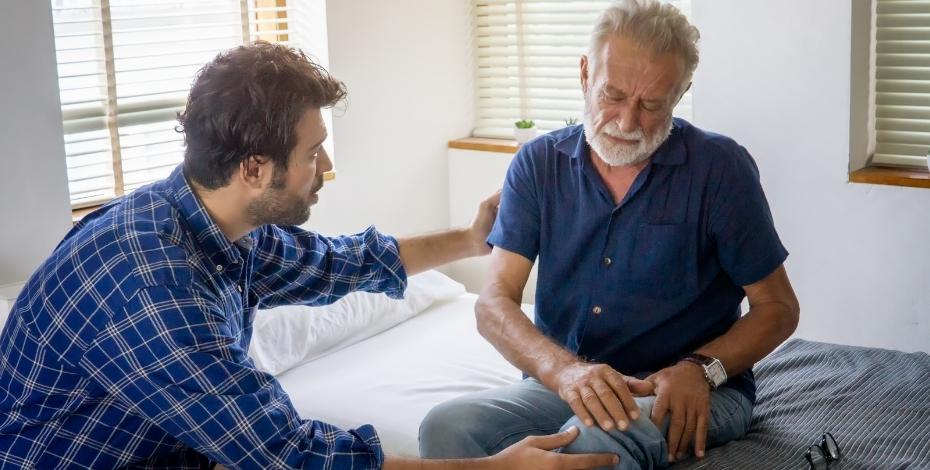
x=716 y=372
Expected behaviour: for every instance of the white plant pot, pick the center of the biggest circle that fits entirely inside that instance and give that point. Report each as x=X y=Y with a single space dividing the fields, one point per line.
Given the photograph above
x=524 y=135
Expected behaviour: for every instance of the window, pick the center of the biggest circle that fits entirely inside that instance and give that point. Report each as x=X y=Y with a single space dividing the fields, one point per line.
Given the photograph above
x=527 y=54
x=901 y=81
x=125 y=68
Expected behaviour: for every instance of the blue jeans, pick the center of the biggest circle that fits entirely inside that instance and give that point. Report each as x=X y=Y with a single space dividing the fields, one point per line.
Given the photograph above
x=484 y=423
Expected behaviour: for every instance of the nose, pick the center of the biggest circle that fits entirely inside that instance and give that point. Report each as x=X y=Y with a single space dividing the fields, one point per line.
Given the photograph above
x=628 y=117
x=324 y=163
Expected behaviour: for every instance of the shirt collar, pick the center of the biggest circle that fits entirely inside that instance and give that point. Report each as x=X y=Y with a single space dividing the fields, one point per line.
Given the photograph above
x=672 y=152
x=214 y=244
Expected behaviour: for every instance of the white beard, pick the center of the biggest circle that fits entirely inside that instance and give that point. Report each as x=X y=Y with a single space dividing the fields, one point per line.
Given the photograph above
x=615 y=154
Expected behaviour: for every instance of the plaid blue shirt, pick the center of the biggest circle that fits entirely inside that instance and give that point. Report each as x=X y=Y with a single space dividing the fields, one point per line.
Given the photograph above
x=128 y=346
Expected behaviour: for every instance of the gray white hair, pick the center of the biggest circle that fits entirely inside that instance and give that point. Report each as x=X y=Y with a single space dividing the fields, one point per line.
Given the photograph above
x=650 y=23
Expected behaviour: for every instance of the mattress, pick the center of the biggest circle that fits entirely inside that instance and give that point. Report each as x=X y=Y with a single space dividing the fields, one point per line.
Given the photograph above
x=875 y=402
x=393 y=379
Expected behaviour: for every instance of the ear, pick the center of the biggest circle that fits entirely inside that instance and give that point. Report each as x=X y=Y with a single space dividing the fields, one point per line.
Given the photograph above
x=256 y=172
x=682 y=94
x=584 y=74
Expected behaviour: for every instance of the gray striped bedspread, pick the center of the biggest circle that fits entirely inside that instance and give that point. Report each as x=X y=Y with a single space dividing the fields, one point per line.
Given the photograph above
x=876 y=403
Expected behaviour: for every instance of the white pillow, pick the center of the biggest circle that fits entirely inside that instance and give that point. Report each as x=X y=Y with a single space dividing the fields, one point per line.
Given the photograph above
x=286 y=337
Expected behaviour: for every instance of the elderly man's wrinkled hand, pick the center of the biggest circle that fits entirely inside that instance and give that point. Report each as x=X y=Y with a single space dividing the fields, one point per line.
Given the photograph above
x=598 y=393
x=682 y=394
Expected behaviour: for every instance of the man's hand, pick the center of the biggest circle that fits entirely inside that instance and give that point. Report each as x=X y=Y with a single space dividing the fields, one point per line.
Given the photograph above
x=682 y=391
x=535 y=452
x=482 y=223
x=597 y=392
x=421 y=252
x=532 y=453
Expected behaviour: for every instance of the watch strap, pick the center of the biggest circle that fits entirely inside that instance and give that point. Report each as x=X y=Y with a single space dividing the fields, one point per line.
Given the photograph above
x=704 y=362
x=698 y=358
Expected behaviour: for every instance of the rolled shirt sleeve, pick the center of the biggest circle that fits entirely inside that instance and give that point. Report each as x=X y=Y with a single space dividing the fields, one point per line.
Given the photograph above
x=175 y=362
x=295 y=266
x=517 y=227
x=740 y=220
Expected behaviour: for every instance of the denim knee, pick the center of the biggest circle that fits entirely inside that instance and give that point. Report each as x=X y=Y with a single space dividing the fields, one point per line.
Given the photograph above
x=641 y=446
x=454 y=429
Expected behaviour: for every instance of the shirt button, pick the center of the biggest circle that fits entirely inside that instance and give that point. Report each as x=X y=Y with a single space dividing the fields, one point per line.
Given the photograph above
x=239 y=288
x=219 y=268
x=597 y=310
x=607 y=261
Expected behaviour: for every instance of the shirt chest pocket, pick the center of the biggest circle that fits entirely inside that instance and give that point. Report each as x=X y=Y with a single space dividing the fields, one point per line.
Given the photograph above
x=660 y=259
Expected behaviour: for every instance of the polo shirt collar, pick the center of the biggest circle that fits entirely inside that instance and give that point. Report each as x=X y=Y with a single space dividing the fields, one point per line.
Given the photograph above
x=672 y=152
x=212 y=241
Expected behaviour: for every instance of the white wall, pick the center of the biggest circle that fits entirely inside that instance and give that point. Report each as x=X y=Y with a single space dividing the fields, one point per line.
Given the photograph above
x=34 y=207
x=775 y=75
x=472 y=177
x=407 y=66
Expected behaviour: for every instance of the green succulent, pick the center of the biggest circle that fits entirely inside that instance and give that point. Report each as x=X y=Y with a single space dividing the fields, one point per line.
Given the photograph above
x=525 y=124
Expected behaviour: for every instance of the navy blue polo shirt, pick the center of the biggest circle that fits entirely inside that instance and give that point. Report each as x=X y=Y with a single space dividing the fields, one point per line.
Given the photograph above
x=639 y=284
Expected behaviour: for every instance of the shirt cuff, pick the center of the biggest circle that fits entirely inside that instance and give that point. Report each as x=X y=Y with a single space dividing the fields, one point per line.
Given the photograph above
x=392 y=280
x=369 y=436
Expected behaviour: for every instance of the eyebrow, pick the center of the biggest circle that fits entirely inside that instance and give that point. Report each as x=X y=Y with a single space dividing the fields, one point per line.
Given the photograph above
x=317 y=146
x=614 y=91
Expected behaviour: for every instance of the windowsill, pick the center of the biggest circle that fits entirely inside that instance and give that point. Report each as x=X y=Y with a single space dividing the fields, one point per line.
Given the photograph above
x=78 y=214
x=485 y=145
x=910 y=177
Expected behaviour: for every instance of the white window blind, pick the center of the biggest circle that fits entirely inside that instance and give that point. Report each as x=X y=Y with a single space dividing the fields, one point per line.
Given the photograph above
x=527 y=56
x=125 y=68
x=902 y=82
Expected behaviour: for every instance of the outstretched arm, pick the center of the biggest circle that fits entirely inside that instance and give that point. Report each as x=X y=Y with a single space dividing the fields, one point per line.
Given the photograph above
x=532 y=453
x=422 y=252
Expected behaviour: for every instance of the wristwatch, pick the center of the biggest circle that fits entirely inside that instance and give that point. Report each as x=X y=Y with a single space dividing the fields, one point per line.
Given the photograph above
x=714 y=373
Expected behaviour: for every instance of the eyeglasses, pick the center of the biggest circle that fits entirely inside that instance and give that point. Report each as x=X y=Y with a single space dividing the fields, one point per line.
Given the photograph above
x=821 y=456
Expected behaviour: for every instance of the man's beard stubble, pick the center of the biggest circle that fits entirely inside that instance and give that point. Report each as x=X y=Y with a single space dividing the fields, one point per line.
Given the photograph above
x=614 y=154
x=276 y=206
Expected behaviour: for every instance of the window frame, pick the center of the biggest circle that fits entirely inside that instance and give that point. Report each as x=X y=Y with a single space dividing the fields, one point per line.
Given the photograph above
x=863 y=167
x=259 y=19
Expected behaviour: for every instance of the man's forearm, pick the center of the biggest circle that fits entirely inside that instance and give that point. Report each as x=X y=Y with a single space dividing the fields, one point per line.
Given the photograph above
x=504 y=325
x=403 y=463
x=753 y=336
x=422 y=252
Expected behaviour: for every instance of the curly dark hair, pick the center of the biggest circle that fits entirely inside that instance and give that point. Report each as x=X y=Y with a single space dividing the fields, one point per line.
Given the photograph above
x=247 y=102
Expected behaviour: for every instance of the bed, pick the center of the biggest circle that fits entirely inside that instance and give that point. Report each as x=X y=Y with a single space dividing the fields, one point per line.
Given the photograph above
x=876 y=402
x=393 y=379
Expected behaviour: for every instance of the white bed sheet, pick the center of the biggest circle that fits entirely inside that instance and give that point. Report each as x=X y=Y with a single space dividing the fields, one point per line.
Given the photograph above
x=393 y=379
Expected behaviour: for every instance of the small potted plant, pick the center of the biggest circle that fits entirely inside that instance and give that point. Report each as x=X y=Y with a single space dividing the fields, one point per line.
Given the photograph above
x=571 y=122
x=524 y=130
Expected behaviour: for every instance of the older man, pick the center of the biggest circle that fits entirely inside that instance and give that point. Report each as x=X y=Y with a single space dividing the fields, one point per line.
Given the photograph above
x=127 y=347
x=649 y=234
